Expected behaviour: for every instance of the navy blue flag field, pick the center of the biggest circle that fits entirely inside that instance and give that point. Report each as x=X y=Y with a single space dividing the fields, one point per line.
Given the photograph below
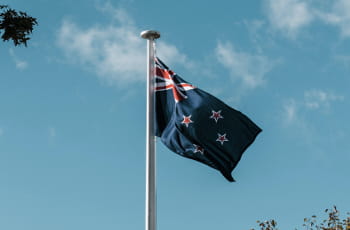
x=197 y=125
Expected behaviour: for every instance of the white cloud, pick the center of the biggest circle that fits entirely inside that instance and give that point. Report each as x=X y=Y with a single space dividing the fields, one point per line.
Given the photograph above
x=338 y=16
x=20 y=64
x=342 y=59
x=171 y=55
x=289 y=16
x=115 y=52
x=303 y=118
x=290 y=111
x=52 y=132
x=249 y=69
x=317 y=99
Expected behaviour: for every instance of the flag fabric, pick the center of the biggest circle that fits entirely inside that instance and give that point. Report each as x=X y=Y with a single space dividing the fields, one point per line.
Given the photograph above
x=197 y=125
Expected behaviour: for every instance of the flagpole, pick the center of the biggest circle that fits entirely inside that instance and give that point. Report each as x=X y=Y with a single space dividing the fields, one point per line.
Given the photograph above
x=151 y=205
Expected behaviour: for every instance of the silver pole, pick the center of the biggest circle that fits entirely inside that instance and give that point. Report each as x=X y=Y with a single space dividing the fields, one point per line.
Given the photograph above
x=151 y=205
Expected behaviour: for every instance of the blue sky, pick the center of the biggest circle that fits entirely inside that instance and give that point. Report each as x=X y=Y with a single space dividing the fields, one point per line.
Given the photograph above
x=72 y=120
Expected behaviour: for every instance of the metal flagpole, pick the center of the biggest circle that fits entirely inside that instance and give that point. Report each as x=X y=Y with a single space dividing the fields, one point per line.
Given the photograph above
x=151 y=205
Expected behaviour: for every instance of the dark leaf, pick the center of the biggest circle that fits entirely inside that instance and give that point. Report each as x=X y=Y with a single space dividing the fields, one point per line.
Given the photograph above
x=17 y=26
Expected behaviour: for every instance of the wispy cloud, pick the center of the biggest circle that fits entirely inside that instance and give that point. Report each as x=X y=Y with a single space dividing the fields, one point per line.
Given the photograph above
x=20 y=64
x=303 y=117
x=248 y=69
x=289 y=16
x=318 y=99
x=112 y=52
x=312 y=100
x=290 y=111
x=52 y=132
x=115 y=52
x=338 y=15
x=342 y=59
x=171 y=55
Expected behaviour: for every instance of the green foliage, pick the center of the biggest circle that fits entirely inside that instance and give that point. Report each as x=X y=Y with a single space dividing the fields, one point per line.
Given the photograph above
x=16 y=26
x=332 y=222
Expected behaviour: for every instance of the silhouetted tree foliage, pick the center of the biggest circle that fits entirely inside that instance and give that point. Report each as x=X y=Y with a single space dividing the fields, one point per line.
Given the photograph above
x=332 y=222
x=16 y=26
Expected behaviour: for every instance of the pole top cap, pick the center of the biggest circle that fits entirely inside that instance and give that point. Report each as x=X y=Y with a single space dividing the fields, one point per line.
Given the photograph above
x=150 y=34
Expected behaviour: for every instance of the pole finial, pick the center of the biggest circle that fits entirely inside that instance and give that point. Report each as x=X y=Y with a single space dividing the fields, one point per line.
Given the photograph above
x=150 y=34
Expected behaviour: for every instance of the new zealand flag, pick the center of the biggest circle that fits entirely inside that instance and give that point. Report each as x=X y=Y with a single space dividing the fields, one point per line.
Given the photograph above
x=197 y=125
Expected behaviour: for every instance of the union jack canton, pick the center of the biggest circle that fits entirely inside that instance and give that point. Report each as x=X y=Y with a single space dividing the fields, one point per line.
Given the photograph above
x=166 y=80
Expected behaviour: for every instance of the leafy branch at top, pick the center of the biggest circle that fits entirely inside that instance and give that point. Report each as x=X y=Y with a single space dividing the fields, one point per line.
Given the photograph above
x=16 y=26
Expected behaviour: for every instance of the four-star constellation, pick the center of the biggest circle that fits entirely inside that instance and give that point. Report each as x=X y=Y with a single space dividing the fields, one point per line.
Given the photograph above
x=216 y=115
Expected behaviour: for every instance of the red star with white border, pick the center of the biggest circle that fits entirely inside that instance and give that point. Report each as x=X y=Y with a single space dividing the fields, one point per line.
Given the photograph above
x=222 y=138
x=187 y=120
x=197 y=149
x=216 y=115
